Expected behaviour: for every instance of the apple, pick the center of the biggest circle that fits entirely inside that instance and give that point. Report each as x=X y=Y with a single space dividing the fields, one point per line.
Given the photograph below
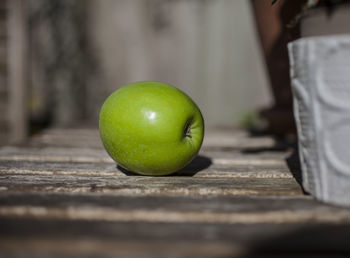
x=151 y=128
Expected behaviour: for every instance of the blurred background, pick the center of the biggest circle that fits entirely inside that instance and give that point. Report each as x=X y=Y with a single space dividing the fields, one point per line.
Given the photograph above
x=60 y=59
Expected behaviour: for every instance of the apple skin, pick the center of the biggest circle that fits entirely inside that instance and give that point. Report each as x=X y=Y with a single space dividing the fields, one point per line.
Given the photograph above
x=151 y=128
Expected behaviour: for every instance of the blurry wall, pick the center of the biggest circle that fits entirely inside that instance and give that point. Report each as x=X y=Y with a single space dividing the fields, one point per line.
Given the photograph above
x=4 y=123
x=207 y=48
x=84 y=50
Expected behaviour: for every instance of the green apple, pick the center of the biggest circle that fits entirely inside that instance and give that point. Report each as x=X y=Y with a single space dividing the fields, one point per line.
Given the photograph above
x=151 y=128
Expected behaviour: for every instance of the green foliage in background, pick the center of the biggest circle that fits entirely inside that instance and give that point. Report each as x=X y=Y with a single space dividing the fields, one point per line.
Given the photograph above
x=248 y=119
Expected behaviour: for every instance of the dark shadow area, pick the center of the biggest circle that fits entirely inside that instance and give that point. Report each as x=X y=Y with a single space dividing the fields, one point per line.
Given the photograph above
x=293 y=163
x=322 y=240
x=269 y=240
x=37 y=125
x=126 y=172
x=273 y=26
x=280 y=145
x=199 y=163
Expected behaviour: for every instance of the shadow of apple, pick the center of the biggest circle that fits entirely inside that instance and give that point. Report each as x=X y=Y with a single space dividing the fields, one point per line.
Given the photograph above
x=199 y=163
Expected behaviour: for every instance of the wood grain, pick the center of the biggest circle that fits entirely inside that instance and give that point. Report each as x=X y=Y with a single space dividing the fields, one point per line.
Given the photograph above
x=236 y=240
x=186 y=203
x=139 y=185
x=170 y=209
x=200 y=167
x=61 y=195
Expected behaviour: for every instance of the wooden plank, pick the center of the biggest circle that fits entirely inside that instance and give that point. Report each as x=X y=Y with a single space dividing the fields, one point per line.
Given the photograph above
x=81 y=145
x=139 y=185
x=87 y=247
x=61 y=195
x=174 y=216
x=252 y=204
x=203 y=163
x=56 y=153
x=193 y=209
x=49 y=151
x=200 y=167
x=62 y=141
x=214 y=160
x=156 y=209
x=83 y=247
x=238 y=239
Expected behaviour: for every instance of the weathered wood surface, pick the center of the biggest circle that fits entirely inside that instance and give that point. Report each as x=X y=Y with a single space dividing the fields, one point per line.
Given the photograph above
x=61 y=195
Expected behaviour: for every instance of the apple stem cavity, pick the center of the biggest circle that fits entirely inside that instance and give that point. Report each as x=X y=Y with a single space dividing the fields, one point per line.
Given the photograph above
x=187 y=130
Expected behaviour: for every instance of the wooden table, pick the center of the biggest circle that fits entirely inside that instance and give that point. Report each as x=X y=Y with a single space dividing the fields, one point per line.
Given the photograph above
x=62 y=196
